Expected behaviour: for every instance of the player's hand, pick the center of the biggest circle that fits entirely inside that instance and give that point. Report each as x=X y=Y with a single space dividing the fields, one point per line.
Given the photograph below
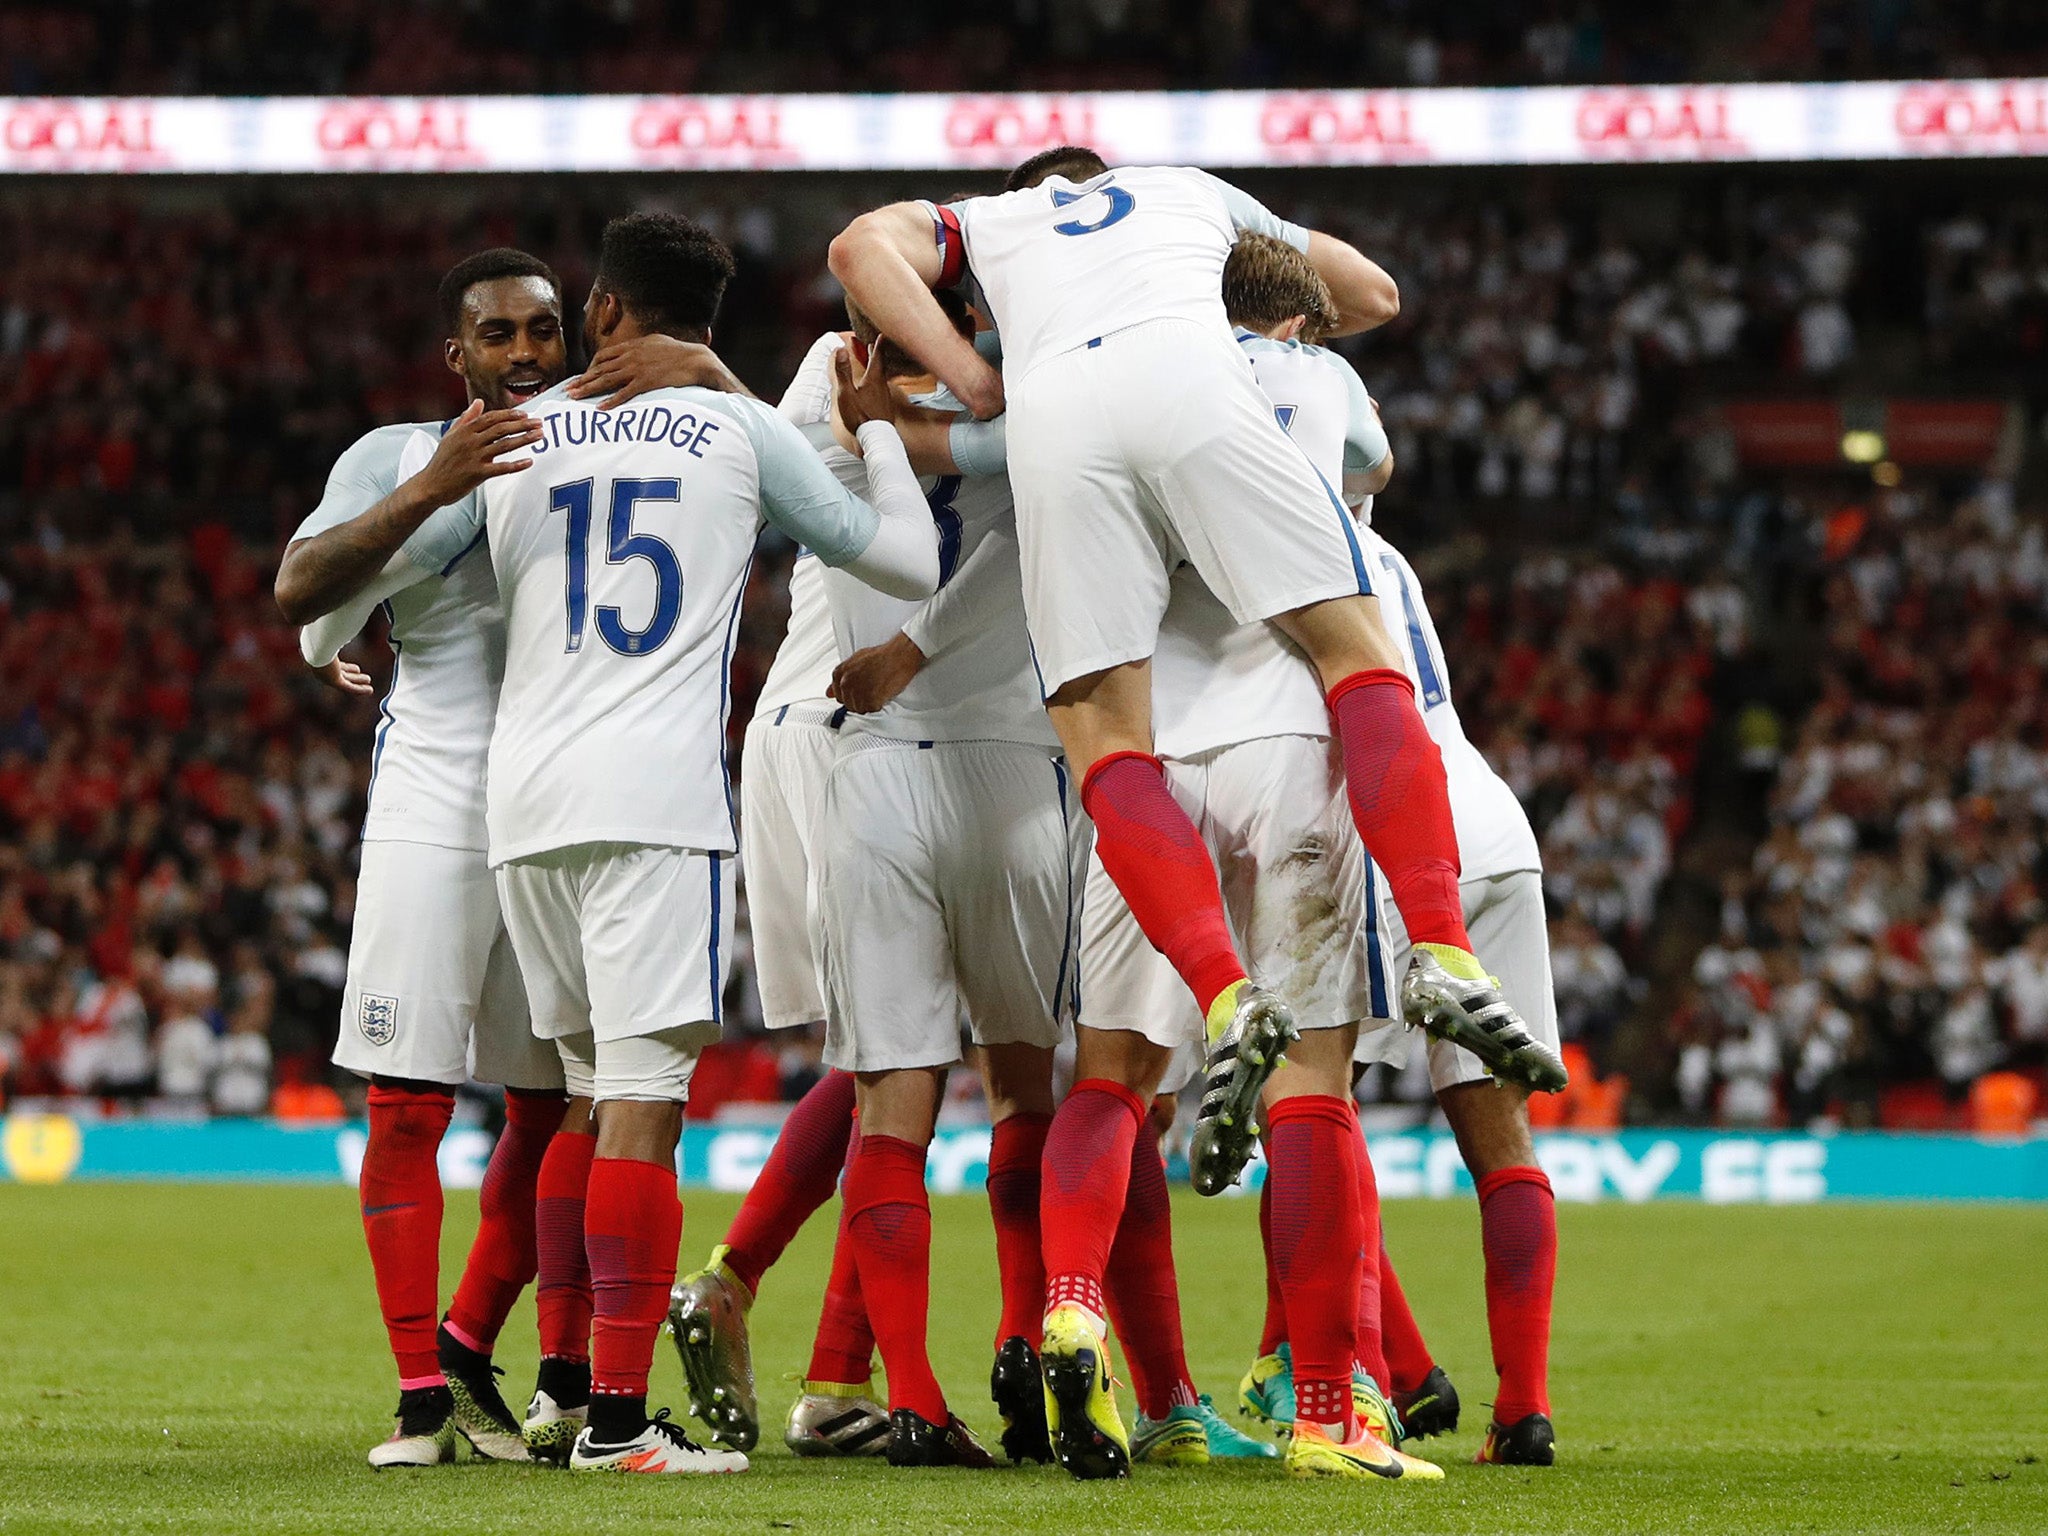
x=628 y=368
x=860 y=399
x=981 y=391
x=345 y=677
x=472 y=451
x=869 y=679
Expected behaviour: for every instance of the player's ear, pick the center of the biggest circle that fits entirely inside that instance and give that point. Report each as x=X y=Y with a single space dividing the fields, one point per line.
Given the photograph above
x=451 y=353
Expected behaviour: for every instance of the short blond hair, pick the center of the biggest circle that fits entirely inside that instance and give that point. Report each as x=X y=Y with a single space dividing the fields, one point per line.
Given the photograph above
x=1267 y=282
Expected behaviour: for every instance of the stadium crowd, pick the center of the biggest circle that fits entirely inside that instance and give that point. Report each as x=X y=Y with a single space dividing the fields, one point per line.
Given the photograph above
x=179 y=800
x=259 y=47
x=1892 y=927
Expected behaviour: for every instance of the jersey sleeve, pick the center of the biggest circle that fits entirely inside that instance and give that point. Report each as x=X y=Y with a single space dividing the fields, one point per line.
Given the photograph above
x=1248 y=213
x=450 y=532
x=364 y=475
x=979 y=447
x=1365 y=439
x=949 y=235
x=809 y=396
x=799 y=494
x=888 y=541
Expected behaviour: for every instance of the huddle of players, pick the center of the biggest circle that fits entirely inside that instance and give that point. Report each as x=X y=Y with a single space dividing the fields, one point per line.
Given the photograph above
x=917 y=847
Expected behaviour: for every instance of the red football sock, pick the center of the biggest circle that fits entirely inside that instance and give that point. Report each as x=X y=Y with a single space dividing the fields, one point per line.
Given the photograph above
x=400 y=1191
x=799 y=1176
x=1319 y=1249
x=891 y=1227
x=632 y=1225
x=1017 y=1145
x=1158 y=860
x=561 y=1293
x=1087 y=1170
x=502 y=1259
x=1408 y=1358
x=1274 y=1334
x=1144 y=1291
x=1401 y=801
x=844 y=1350
x=1518 y=1225
x=1371 y=1349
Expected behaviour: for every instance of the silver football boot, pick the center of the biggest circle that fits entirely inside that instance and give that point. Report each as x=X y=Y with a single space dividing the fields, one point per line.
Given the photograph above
x=1240 y=1061
x=707 y=1314
x=840 y=1422
x=1469 y=1011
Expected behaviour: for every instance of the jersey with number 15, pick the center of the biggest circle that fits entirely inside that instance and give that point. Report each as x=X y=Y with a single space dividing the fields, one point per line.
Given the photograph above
x=622 y=556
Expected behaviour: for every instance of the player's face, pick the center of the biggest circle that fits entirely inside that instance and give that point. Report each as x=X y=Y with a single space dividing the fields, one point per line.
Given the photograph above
x=509 y=345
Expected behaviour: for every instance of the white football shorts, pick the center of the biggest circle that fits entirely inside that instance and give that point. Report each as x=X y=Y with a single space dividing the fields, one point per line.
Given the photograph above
x=657 y=1066
x=433 y=990
x=788 y=753
x=1510 y=935
x=1301 y=897
x=1148 y=447
x=621 y=940
x=949 y=882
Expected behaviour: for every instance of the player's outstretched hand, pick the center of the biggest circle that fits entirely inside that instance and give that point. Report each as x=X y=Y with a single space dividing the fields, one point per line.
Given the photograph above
x=628 y=368
x=471 y=452
x=863 y=398
x=869 y=679
x=345 y=677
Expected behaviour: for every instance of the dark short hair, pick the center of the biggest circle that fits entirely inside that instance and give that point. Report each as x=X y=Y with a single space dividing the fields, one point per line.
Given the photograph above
x=669 y=273
x=1076 y=162
x=1267 y=281
x=488 y=267
x=895 y=361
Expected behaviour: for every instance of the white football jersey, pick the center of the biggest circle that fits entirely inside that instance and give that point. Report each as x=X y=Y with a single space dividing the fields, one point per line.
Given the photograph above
x=802 y=669
x=622 y=556
x=983 y=685
x=448 y=635
x=1216 y=682
x=1064 y=263
x=1494 y=835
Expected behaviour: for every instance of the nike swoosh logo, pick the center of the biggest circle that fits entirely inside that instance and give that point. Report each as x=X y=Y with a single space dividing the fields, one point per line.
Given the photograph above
x=380 y=1210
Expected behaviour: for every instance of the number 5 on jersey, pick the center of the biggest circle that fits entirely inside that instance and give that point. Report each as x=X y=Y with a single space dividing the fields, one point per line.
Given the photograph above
x=622 y=545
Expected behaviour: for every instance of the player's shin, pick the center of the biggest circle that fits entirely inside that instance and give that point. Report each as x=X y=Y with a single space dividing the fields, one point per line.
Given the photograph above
x=1150 y=848
x=633 y=1223
x=891 y=1227
x=1143 y=1289
x=1518 y=1225
x=1318 y=1250
x=1400 y=801
x=503 y=1259
x=400 y=1190
x=799 y=1176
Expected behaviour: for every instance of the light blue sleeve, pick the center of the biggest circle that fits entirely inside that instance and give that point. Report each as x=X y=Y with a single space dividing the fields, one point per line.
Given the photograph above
x=1365 y=440
x=374 y=466
x=979 y=447
x=798 y=493
x=1248 y=213
x=364 y=475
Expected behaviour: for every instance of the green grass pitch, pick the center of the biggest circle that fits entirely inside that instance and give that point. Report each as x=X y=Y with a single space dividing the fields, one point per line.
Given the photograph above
x=208 y=1359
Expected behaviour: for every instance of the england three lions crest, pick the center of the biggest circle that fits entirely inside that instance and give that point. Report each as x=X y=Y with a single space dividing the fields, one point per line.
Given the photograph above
x=378 y=1019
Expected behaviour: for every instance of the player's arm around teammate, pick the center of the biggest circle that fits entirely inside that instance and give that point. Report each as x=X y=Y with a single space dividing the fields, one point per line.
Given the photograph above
x=506 y=344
